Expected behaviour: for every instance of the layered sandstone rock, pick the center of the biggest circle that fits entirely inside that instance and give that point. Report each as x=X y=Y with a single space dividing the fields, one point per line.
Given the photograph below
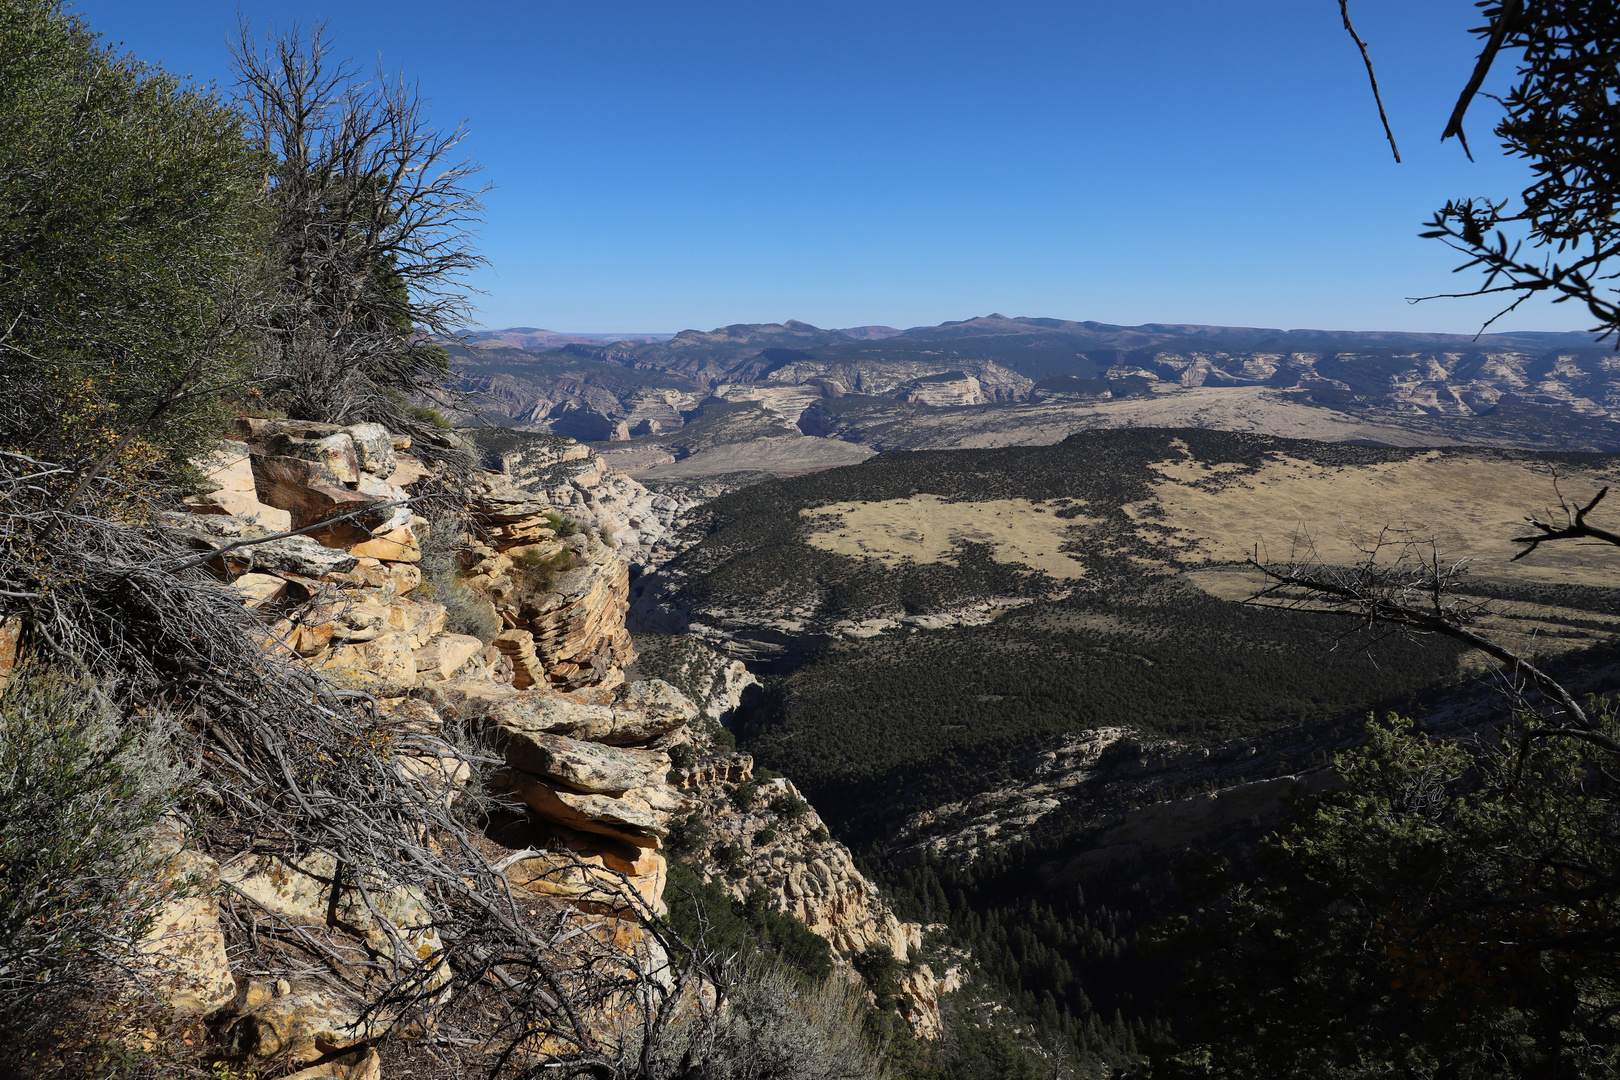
x=588 y=764
x=592 y=773
x=569 y=593
x=586 y=754
x=775 y=842
x=573 y=478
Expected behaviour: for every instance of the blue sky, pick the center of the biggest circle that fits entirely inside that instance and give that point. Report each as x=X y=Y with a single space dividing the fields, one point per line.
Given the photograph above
x=668 y=165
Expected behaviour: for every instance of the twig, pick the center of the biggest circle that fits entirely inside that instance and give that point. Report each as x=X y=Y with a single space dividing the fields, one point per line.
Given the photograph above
x=1372 y=77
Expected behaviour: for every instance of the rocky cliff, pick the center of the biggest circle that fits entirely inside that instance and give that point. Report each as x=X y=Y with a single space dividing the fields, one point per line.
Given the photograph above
x=543 y=689
x=495 y=628
x=574 y=480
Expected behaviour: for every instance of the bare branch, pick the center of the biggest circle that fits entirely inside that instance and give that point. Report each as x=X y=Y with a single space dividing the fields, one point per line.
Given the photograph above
x=1574 y=528
x=1415 y=595
x=1372 y=77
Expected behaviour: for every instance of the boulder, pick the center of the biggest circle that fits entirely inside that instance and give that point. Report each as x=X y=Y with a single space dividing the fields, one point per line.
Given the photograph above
x=257 y=590
x=297 y=555
x=502 y=503
x=632 y=714
x=183 y=956
x=445 y=655
x=407 y=470
x=373 y=449
x=640 y=812
x=230 y=475
x=397 y=545
x=421 y=620
x=388 y=656
x=583 y=766
x=406 y=576
x=305 y=1023
x=362 y=1064
x=328 y=450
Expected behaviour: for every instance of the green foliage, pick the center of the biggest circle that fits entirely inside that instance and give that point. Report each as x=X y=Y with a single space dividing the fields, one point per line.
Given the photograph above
x=764 y=836
x=880 y=970
x=467 y=612
x=130 y=226
x=921 y=719
x=1560 y=116
x=78 y=884
x=744 y=795
x=562 y=525
x=790 y=806
x=689 y=835
x=432 y=417
x=1441 y=915
x=538 y=573
x=1061 y=962
x=750 y=928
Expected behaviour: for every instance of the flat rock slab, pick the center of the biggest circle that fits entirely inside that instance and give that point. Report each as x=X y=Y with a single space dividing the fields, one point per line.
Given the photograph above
x=642 y=812
x=584 y=766
x=634 y=713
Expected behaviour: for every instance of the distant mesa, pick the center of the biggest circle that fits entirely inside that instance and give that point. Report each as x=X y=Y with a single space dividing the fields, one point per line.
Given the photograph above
x=869 y=333
x=996 y=380
x=529 y=337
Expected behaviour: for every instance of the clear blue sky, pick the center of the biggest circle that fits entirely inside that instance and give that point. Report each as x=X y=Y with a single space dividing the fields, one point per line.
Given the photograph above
x=666 y=165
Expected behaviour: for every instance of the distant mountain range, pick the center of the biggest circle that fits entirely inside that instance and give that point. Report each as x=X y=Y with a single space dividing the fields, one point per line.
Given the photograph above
x=529 y=337
x=1093 y=335
x=607 y=386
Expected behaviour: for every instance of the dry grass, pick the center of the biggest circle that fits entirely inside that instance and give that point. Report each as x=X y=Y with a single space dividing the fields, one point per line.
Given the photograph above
x=927 y=528
x=1472 y=507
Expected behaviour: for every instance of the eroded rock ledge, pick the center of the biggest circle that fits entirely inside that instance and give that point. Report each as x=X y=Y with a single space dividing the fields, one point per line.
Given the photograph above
x=519 y=642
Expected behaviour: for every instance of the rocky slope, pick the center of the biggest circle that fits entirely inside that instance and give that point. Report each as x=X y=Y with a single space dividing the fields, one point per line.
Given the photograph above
x=573 y=479
x=505 y=622
x=751 y=834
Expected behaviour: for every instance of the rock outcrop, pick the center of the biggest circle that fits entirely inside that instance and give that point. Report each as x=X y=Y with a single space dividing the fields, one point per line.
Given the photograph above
x=585 y=752
x=572 y=478
x=506 y=619
x=751 y=835
x=567 y=587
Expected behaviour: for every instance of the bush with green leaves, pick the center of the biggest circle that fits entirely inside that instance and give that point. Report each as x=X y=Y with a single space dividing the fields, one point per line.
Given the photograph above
x=789 y=806
x=1445 y=913
x=467 y=612
x=131 y=227
x=538 y=573
x=744 y=795
x=689 y=835
x=562 y=525
x=79 y=884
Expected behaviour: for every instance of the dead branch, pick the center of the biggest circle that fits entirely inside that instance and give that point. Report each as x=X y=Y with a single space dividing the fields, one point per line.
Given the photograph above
x=1574 y=527
x=1372 y=77
x=1414 y=595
